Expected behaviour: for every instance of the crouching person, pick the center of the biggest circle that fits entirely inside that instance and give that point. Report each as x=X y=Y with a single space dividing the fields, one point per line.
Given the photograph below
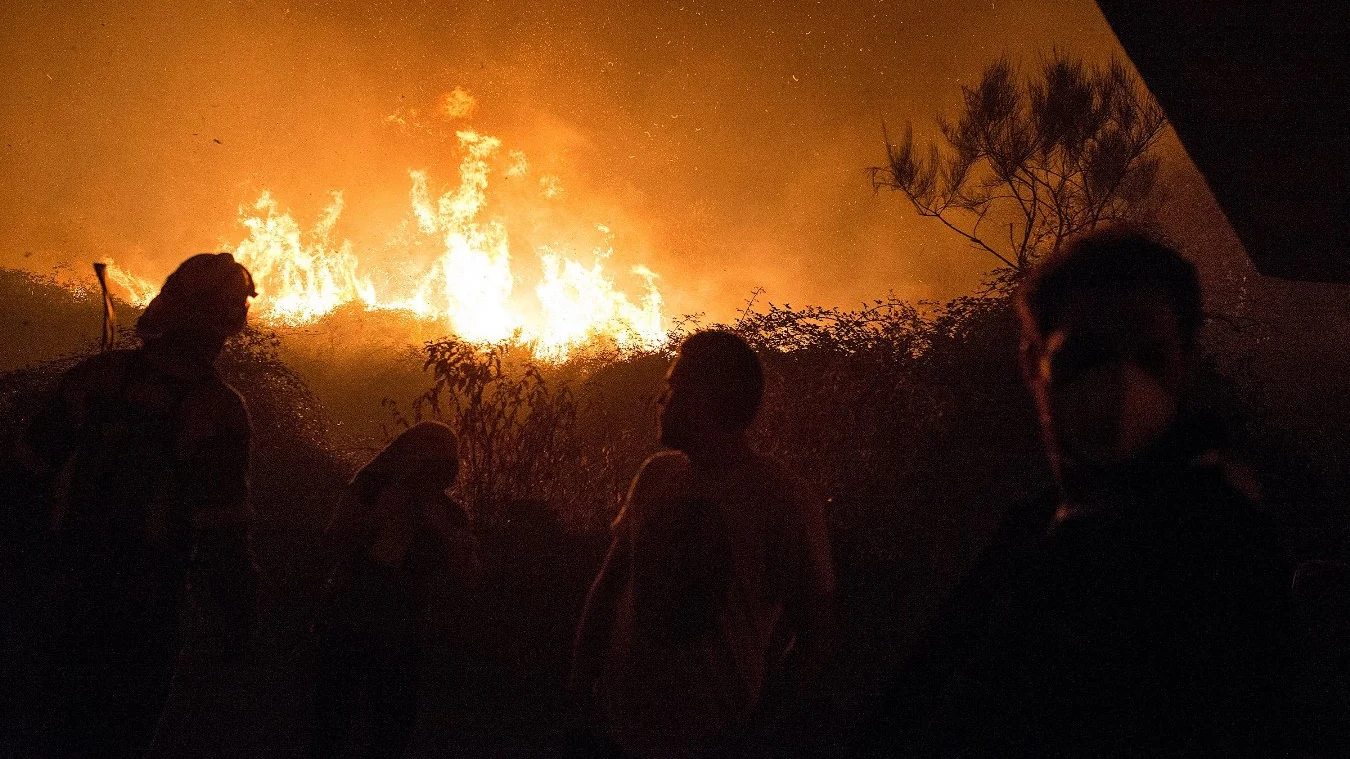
x=393 y=537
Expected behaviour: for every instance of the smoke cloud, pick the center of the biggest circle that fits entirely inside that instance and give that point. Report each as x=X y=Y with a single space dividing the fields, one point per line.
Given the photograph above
x=722 y=144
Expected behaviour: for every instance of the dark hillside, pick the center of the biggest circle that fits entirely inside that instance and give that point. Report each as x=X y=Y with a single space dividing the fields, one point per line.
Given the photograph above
x=912 y=422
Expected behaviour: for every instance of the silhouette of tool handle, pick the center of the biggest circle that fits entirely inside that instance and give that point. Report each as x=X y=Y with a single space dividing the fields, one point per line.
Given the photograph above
x=109 y=317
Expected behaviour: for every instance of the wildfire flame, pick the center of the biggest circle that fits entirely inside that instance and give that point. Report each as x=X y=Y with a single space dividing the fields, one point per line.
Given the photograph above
x=470 y=287
x=139 y=291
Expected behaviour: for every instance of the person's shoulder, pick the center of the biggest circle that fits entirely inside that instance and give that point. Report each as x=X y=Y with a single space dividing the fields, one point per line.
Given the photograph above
x=665 y=465
x=661 y=477
x=106 y=361
x=1026 y=521
x=1254 y=527
x=100 y=369
x=799 y=516
x=213 y=397
x=458 y=514
x=782 y=482
x=796 y=504
x=1219 y=501
x=229 y=399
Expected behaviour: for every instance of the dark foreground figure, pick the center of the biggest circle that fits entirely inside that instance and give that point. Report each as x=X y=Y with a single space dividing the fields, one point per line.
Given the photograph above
x=718 y=584
x=1142 y=609
x=394 y=536
x=147 y=454
x=1321 y=709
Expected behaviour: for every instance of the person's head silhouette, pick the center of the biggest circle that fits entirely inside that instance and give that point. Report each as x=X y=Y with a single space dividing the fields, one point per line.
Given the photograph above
x=203 y=302
x=712 y=395
x=1109 y=330
x=424 y=459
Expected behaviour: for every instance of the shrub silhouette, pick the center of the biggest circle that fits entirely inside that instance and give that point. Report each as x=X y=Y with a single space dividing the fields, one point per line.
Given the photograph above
x=515 y=429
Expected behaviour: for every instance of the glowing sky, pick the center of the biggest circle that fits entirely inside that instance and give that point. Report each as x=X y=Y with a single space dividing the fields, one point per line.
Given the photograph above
x=724 y=143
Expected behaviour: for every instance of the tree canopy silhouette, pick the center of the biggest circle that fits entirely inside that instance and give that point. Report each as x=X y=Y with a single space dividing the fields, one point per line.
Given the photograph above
x=1040 y=158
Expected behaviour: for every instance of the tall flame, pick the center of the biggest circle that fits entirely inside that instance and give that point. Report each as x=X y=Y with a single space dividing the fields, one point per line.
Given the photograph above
x=139 y=291
x=470 y=287
x=300 y=276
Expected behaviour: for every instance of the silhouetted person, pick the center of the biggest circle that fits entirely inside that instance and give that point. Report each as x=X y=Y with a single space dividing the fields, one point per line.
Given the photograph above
x=394 y=535
x=148 y=452
x=720 y=558
x=1141 y=610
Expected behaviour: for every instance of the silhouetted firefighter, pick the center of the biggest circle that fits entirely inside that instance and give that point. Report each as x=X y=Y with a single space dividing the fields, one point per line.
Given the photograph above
x=720 y=564
x=148 y=453
x=393 y=536
x=1141 y=610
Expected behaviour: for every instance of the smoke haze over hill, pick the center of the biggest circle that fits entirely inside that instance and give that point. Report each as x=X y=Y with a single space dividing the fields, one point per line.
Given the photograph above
x=724 y=144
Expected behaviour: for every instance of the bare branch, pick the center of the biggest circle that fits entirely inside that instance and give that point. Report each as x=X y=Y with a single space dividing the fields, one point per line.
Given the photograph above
x=1061 y=150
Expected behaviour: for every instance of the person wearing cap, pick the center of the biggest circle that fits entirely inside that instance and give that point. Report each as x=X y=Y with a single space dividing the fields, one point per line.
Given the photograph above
x=148 y=453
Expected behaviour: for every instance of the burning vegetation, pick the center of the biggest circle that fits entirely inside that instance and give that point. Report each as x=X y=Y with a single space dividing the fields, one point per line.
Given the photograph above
x=470 y=284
